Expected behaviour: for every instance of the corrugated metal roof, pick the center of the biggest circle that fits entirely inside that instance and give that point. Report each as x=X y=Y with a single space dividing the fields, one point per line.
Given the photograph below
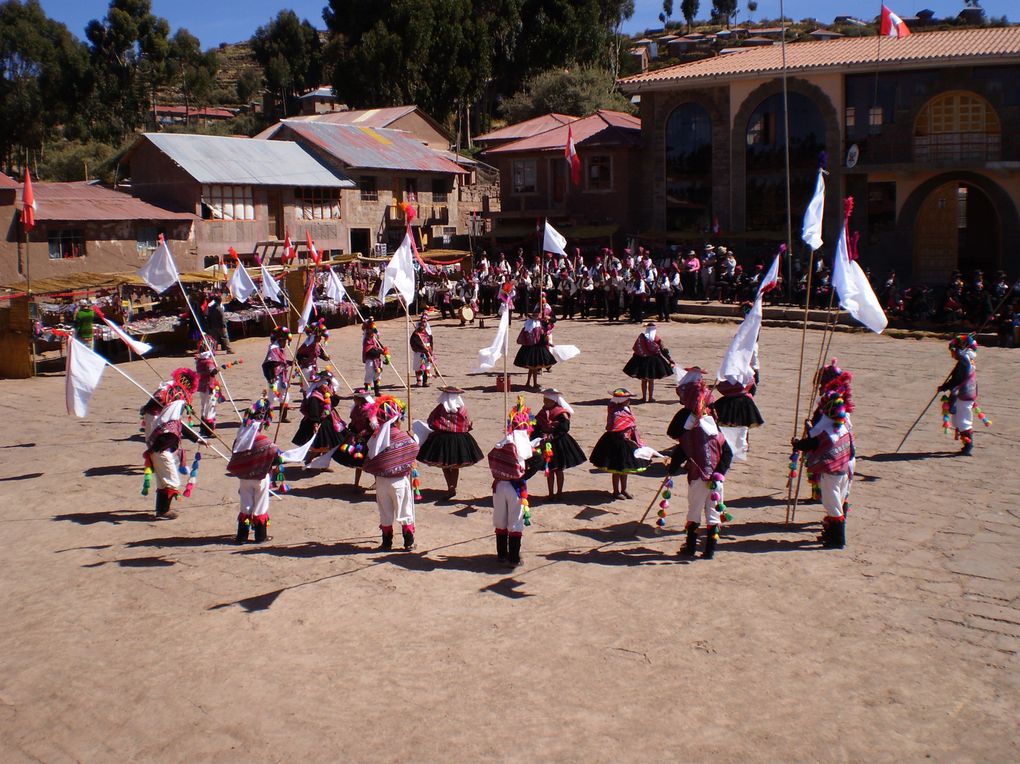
x=323 y=91
x=525 y=129
x=369 y=148
x=603 y=128
x=364 y=118
x=216 y=159
x=6 y=182
x=80 y=201
x=919 y=50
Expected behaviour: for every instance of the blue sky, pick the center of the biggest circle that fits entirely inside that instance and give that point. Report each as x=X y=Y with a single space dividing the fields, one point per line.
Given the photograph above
x=233 y=22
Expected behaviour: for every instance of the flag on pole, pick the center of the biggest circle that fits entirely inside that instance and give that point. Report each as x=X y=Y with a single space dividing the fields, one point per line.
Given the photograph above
x=736 y=365
x=306 y=310
x=160 y=272
x=139 y=347
x=85 y=368
x=892 y=25
x=553 y=241
x=487 y=357
x=573 y=160
x=335 y=289
x=28 y=207
x=288 y=250
x=312 y=251
x=270 y=289
x=812 y=231
x=855 y=293
x=242 y=287
x=399 y=274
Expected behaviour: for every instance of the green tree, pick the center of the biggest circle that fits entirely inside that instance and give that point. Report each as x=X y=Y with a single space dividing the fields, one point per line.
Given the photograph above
x=667 y=11
x=194 y=70
x=249 y=85
x=290 y=53
x=579 y=92
x=724 y=10
x=689 y=9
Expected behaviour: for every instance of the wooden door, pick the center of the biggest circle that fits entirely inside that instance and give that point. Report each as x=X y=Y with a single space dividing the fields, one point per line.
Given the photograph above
x=936 y=235
x=274 y=214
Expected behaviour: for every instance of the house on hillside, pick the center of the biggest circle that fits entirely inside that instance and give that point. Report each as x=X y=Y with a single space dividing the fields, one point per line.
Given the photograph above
x=243 y=192
x=410 y=119
x=525 y=129
x=192 y=115
x=321 y=100
x=536 y=182
x=84 y=227
x=929 y=147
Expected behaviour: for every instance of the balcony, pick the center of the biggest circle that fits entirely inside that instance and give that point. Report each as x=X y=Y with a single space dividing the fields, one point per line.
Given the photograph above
x=957 y=147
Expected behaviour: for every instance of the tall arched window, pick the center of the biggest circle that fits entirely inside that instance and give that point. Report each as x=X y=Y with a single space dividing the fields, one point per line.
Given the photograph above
x=688 y=169
x=957 y=126
x=766 y=159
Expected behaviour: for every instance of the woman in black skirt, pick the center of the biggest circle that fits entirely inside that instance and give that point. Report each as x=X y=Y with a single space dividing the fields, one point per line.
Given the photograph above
x=651 y=361
x=320 y=418
x=552 y=424
x=534 y=354
x=614 y=452
x=450 y=445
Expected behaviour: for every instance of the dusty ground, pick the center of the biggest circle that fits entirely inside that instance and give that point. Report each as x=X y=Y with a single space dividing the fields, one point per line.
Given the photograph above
x=125 y=639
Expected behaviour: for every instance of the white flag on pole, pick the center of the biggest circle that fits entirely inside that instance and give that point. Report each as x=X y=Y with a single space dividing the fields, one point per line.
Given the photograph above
x=160 y=272
x=306 y=311
x=737 y=366
x=812 y=233
x=85 y=368
x=553 y=241
x=855 y=293
x=242 y=287
x=399 y=273
x=139 y=347
x=487 y=357
x=335 y=289
x=270 y=289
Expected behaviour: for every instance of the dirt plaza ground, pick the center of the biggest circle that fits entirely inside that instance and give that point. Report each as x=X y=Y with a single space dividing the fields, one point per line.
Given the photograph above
x=126 y=639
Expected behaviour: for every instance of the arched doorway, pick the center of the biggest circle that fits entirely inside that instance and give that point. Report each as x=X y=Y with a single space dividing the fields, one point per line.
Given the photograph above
x=957 y=126
x=688 y=168
x=956 y=228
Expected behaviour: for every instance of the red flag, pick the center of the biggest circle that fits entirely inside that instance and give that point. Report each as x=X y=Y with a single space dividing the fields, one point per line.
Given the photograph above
x=312 y=251
x=288 y=250
x=28 y=204
x=573 y=160
x=892 y=25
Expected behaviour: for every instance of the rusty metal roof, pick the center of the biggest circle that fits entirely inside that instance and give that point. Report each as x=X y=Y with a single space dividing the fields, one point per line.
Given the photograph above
x=7 y=182
x=368 y=148
x=218 y=159
x=79 y=201
x=603 y=128
x=921 y=50
x=384 y=117
x=525 y=129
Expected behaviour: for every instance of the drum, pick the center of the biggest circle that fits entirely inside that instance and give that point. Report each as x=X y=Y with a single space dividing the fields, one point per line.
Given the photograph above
x=465 y=314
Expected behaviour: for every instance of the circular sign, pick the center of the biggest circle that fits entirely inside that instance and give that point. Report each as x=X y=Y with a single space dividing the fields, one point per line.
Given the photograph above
x=852 y=155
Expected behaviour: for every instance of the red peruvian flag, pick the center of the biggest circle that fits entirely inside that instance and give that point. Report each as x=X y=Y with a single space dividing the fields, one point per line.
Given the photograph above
x=28 y=207
x=570 y=153
x=312 y=251
x=288 y=249
x=892 y=25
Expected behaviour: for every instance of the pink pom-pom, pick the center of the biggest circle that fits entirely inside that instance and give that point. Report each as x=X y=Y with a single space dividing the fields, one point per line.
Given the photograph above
x=718 y=477
x=714 y=496
x=663 y=503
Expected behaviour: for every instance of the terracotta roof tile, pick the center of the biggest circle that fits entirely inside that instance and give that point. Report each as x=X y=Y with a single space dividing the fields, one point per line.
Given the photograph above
x=525 y=129
x=919 y=50
x=602 y=128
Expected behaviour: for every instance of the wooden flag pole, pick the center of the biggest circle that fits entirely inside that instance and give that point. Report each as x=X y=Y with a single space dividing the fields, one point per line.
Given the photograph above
x=800 y=375
x=407 y=349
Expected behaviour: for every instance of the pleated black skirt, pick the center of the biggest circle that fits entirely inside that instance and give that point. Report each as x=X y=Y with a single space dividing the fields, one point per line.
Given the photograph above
x=647 y=367
x=450 y=449
x=737 y=411
x=615 y=453
x=534 y=357
x=566 y=453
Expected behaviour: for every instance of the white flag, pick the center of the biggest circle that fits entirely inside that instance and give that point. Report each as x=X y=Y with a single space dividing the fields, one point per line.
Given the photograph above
x=855 y=293
x=298 y=453
x=737 y=364
x=160 y=272
x=564 y=352
x=812 y=233
x=553 y=241
x=399 y=273
x=487 y=357
x=139 y=347
x=270 y=289
x=306 y=311
x=245 y=438
x=241 y=285
x=335 y=287
x=85 y=368
x=322 y=461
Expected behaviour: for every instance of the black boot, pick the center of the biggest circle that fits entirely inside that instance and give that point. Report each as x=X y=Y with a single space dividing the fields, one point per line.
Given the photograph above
x=387 y=541
x=261 y=529
x=836 y=535
x=514 y=550
x=710 y=541
x=164 y=500
x=375 y=386
x=968 y=443
x=243 y=526
x=502 y=548
x=690 y=547
x=283 y=416
x=408 y=540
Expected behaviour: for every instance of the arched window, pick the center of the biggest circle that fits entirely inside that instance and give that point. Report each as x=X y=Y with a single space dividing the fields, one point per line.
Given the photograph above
x=957 y=126
x=766 y=159
x=688 y=169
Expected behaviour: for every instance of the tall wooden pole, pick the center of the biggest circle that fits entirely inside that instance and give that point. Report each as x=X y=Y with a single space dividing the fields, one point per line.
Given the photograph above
x=407 y=352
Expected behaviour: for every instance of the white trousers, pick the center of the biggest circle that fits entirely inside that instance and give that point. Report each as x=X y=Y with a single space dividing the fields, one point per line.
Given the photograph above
x=254 y=496
x=699 y=501
x=207 y=404
x=307 y=372
x=507 y=510
x=147 y=420
x=372 y=374
x=963 y=417
x=276 y=398
x=164 y=467
x=834 y=489
x=395 y=500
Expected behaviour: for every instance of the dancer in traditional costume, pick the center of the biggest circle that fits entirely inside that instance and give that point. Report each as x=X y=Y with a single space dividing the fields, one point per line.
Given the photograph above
x=508 y=462
x=320 y=419
x=704 y=453
x=831 y=378
x=276 y=370
x=354 y=442
x=735 y=411
x=310 y=351
x=558 y=450
x=963 y=389
x=391 y=455
x=651 y=361
x=372 y=352
x=614 y=451
x=254 y=459
x=208 y=386
x=163 y=441
x=422 y=344
x=534 y=354
x=829 y=456
x=450 y=444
